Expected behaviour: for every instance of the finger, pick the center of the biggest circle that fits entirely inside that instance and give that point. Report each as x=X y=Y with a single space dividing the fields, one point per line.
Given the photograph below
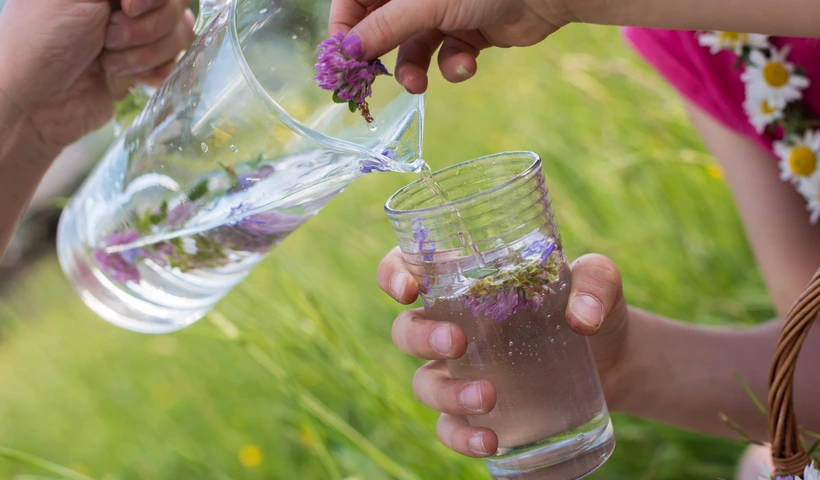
x=435 y=388
x=454 y=432
x=596 y=290
x=396 y=22
x=428 y=339
x=155 y=77
x=345 y=14
x=146 y=58
x=124 y=31
x=457 y=59
x=134 y=8
x=413 y=60
x=392 y=277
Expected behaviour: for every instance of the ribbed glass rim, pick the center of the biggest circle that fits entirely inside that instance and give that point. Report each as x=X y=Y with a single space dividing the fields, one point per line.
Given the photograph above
x=534 y=166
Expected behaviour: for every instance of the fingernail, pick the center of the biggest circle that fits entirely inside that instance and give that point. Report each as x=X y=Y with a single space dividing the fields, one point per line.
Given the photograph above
x=139 y=7
x=115 y=63
x=476 y=443
x=462 y=71
x=470 y=397
x=117 y=36
x=352 y=46
x=441 y=340
x=588 y=310
x=397 y=284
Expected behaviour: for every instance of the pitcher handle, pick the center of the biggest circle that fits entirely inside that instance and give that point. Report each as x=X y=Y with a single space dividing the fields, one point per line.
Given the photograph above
x=207 y=10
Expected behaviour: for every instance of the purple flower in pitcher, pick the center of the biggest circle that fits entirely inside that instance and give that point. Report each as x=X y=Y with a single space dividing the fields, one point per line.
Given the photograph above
x=370 y=166
x=256 y=233
x=119 y=265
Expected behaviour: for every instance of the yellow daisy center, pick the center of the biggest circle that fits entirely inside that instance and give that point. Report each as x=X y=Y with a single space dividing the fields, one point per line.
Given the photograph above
x=775 y=74
x=766 y=108
x=802 y=161
x=732 y=37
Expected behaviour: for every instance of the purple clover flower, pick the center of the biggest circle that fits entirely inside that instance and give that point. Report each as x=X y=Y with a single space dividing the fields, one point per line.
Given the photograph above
x=256 y=233
x=119 y=265
x=339 y=69
x=538 y=249
x=523 y=287
x=370 y=166
x=245 y=181
x=420 y=236
x=428 y=248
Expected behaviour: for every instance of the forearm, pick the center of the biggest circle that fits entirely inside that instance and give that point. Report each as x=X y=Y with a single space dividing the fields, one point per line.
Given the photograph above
x=685 y=375
x=794 y=18
x=23 y=162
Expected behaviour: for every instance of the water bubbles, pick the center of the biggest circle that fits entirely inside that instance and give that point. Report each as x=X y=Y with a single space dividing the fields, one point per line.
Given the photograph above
x=563 y=285
x=565 y=343
x=193 y=64
x=372 y=126
x=552 y=340
x=511 y=343
x=117 y=129
x=210 y=62
x=509 y=354
x=580 y=436
x=293 y=37
x=204 y=147
x=179 y=148
x=558 y=327
x=234 y=149
x=263 y=11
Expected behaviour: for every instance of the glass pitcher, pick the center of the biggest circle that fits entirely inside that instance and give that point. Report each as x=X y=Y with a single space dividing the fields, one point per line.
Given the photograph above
x=233 y=152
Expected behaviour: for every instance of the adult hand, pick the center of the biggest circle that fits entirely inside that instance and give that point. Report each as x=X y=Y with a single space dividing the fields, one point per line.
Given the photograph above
x=59 y=58
x=462 y=27
x=596 y=308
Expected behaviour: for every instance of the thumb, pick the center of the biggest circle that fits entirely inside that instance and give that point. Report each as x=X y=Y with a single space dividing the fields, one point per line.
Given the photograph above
x=596 y=294
x=390 y=25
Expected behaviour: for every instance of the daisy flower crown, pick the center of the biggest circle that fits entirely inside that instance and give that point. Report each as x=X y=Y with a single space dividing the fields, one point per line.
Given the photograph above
x=774 y=90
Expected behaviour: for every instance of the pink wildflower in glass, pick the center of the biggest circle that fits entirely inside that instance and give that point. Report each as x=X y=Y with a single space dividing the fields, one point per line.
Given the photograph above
x=340 y=70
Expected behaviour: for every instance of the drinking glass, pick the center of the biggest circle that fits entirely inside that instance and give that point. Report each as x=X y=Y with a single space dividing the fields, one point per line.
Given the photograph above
x=491 y=261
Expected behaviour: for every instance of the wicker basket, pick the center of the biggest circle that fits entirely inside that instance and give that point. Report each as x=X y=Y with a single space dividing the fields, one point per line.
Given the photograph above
x=788 y=453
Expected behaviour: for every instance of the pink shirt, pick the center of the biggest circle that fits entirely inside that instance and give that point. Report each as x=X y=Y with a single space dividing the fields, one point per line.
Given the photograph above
x=711 y=81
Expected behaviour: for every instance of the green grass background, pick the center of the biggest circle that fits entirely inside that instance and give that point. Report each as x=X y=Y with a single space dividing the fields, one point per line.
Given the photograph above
x=297 y=362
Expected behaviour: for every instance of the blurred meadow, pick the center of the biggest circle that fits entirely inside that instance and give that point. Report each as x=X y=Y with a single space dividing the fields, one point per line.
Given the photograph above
x=294 y=375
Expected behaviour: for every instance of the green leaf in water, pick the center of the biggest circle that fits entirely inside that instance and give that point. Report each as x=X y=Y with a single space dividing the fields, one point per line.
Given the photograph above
x=156 y=219
x=336 y=98
x=480 y=273
x=199 y=190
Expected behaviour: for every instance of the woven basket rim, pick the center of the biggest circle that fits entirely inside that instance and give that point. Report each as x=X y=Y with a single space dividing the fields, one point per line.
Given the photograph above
x=788 y=453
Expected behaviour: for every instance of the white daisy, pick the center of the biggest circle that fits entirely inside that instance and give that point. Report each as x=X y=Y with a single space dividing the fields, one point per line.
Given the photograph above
x=189 y=246
x=798 y=156
x=733 y=41
x=811 y=472
x=773 y=78
x=760 y=112
x=810 y=189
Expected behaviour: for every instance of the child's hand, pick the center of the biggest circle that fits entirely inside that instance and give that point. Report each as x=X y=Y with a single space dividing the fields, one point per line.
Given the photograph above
x=144 y=38
x=55 y=55
x=462 y=27
x=597 y=307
